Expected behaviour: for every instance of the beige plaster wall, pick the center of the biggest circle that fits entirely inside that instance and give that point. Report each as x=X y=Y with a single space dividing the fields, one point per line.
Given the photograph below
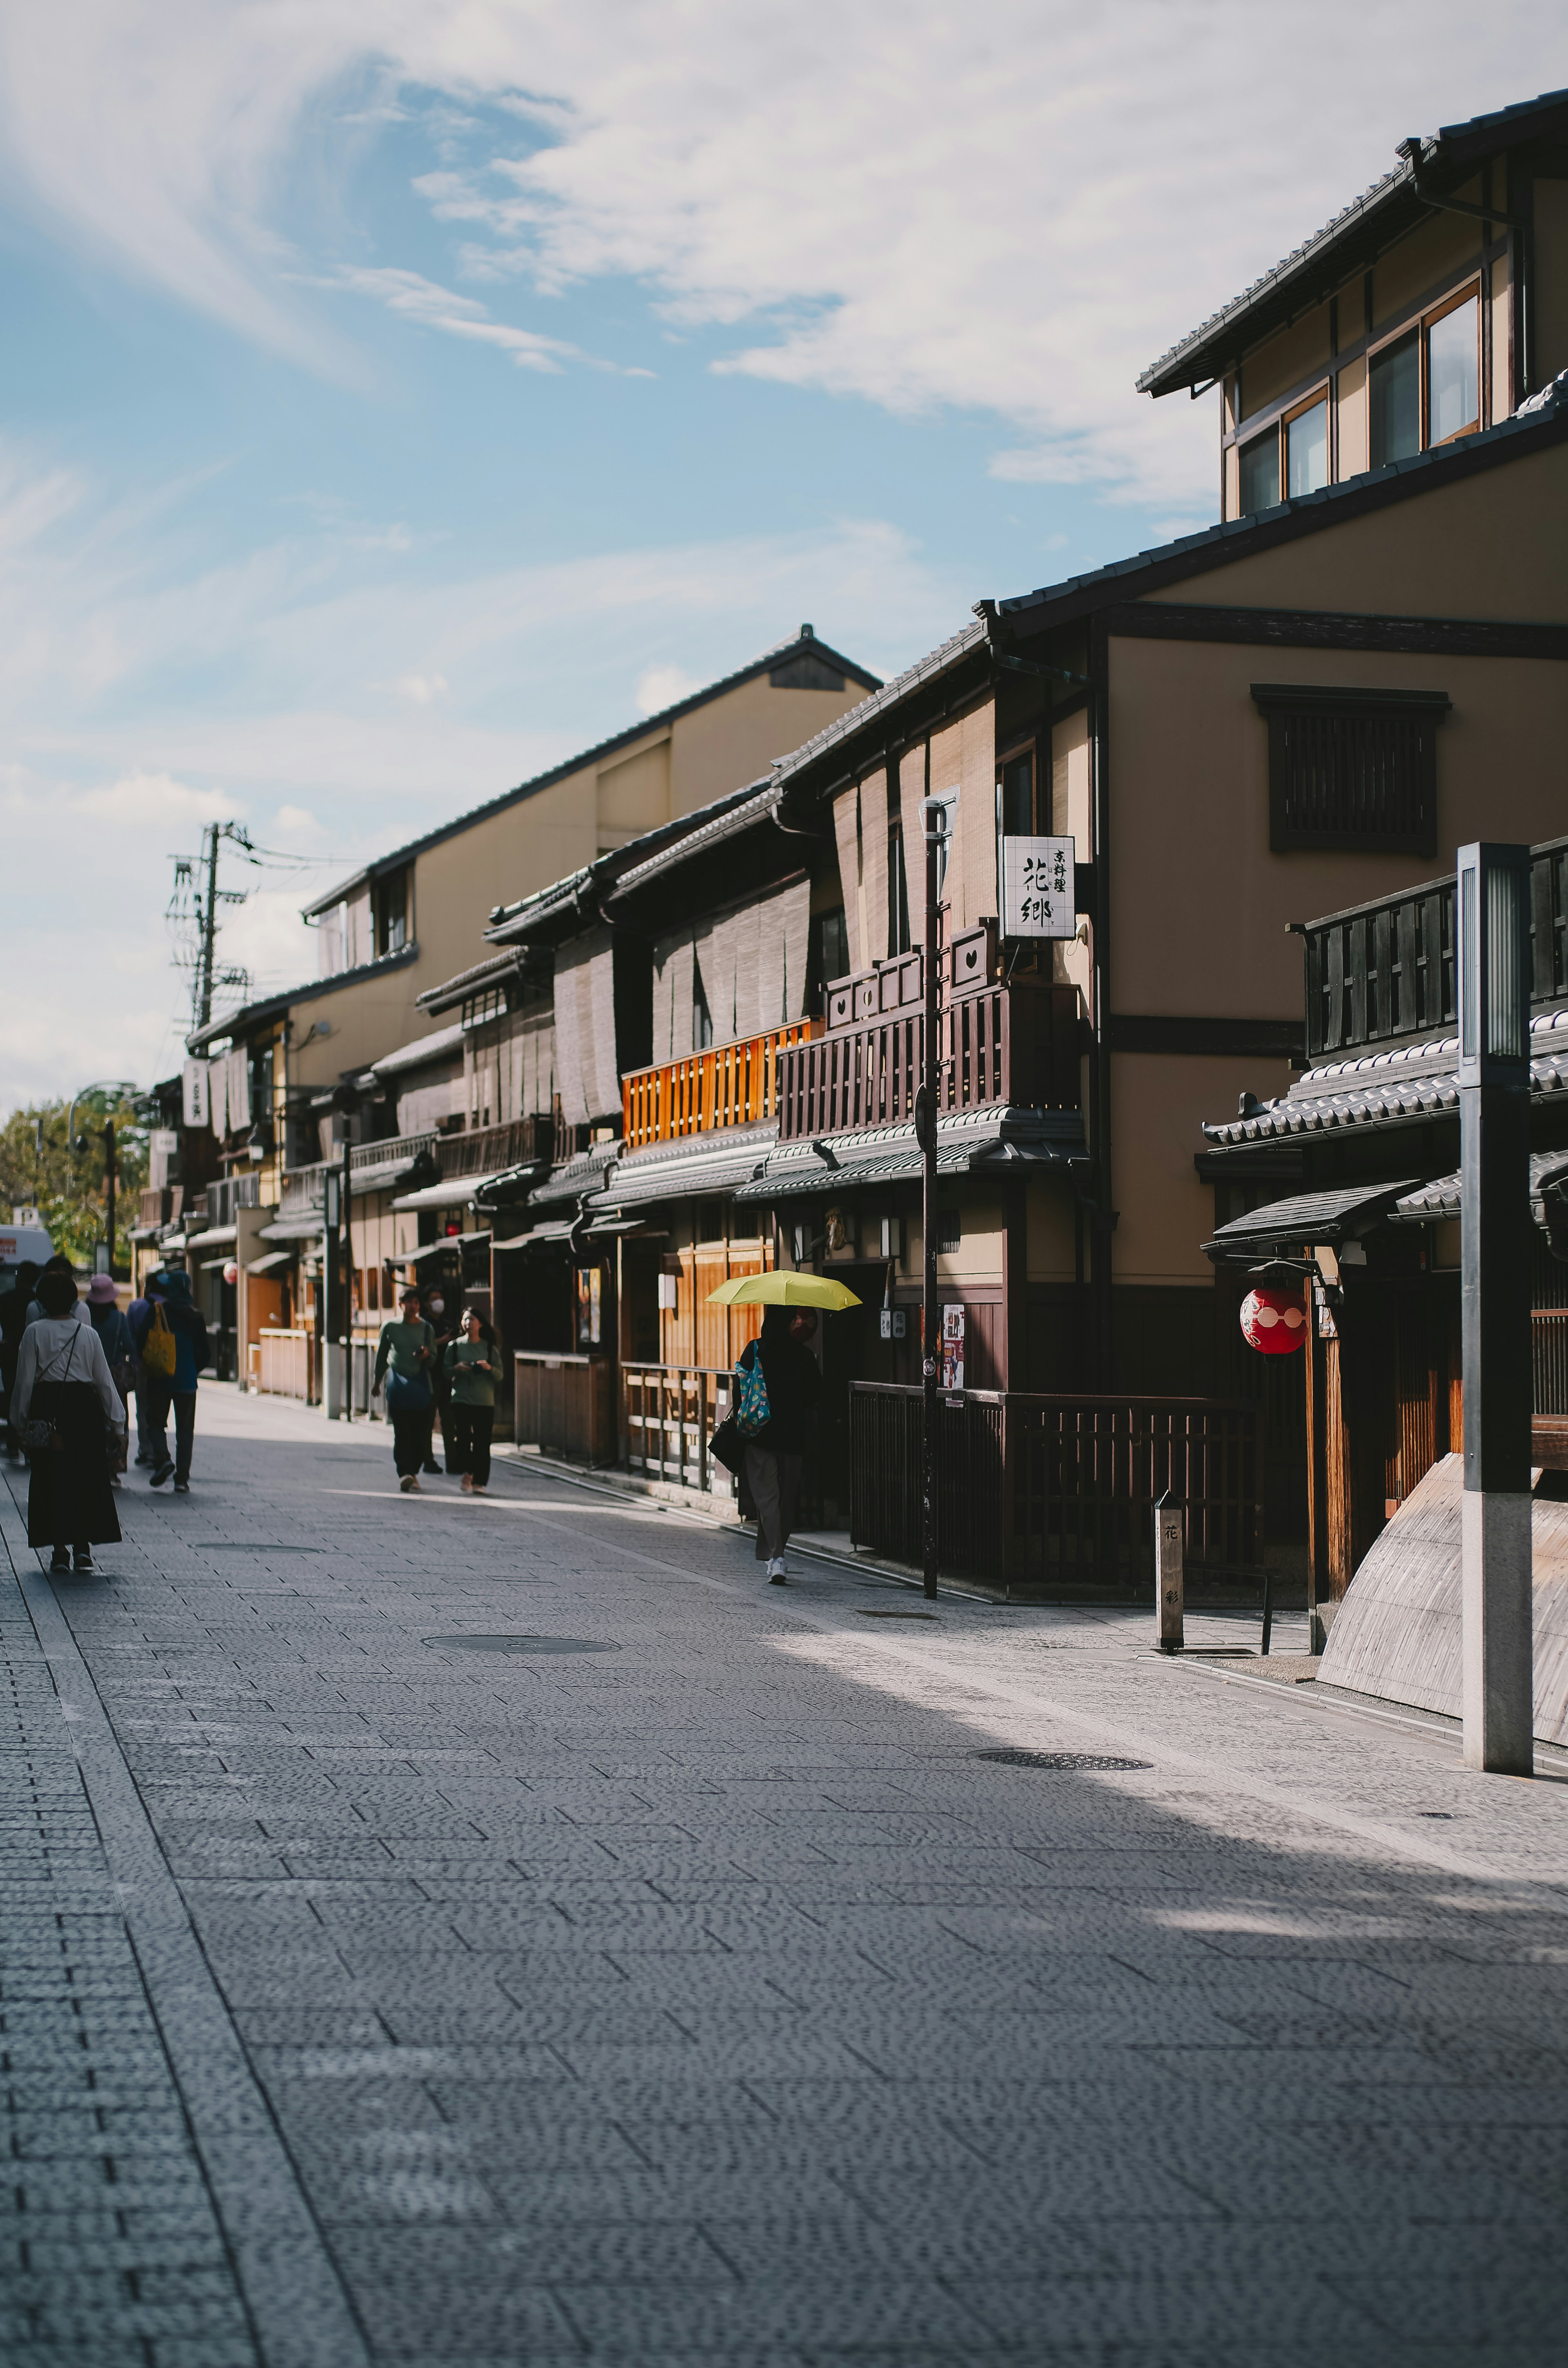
x=735 y=739
x=1048 y=1233
x=981 y=1255
x=1071 y=814
x=1354 y=426
x=634 y=795
x=1490 y=546
x=1198 y=902
x=1158 y=1106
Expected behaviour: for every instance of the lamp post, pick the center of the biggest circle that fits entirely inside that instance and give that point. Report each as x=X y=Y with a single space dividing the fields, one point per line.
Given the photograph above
x=1496 y=1649
x=934 y=823
x=103 y=1085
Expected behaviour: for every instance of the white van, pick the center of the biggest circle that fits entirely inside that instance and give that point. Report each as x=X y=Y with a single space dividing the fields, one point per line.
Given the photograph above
x=20 y=1242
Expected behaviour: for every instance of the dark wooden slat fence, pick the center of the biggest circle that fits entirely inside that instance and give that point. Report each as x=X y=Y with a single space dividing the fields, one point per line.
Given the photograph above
x=1048 y=1490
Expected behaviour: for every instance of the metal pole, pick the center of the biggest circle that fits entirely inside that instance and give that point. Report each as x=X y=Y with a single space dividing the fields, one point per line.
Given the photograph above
x=347 y=1192
x=208 y=930
x=933 y=817
x=109 y=1187
x=1497 y=1651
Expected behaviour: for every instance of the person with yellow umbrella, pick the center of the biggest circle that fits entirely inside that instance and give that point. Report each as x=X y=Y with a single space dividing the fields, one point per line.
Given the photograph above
x=778 y=1382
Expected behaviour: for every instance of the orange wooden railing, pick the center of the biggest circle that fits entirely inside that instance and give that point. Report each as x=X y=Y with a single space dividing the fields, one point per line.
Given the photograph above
x=729 y=1085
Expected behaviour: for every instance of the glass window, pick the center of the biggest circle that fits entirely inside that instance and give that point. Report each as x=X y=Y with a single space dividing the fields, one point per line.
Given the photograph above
x=1396 y=401
x=1453 y=371
x=1260 y=473
x=1306 y=450
x=1017 y=797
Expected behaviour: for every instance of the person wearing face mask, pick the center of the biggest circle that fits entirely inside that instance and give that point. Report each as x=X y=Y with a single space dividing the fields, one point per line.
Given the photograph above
x=444 y=1331
x=471 y=1363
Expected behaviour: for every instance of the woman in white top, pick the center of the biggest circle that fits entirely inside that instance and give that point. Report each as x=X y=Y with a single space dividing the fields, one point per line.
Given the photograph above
x=63 y=1379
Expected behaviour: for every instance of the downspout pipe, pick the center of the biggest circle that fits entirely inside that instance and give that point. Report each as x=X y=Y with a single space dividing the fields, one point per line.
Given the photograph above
x=1414 y=153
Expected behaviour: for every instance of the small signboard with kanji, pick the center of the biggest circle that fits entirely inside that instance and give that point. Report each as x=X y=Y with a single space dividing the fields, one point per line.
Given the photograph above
x=1037 y=899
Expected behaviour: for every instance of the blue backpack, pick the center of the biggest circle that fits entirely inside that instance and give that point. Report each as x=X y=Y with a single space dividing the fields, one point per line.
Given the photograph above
x=751 y=1410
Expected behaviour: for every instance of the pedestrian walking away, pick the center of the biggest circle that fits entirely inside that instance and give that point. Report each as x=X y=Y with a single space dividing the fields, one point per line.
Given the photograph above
x=13 y=1323
x=137 y=1315
x=471 y=1363
x=58 y=1264
x=433 y=1307
x=406 y=1355
x=172 y=1320
x=770 y=1479
x=65 y=1403
x=114 y=1339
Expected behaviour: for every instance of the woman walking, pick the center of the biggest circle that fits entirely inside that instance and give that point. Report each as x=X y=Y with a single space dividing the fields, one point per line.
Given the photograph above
x=64 y=1382
x=774 y=1454
x=114 y=1339
x=473 y=1362
x=404 y=1357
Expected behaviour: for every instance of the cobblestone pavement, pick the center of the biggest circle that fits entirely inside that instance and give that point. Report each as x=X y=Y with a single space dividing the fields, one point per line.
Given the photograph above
x=704 y=1998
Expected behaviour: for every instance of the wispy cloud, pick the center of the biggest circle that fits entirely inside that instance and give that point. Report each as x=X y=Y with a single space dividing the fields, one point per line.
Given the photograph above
x=1008 y=215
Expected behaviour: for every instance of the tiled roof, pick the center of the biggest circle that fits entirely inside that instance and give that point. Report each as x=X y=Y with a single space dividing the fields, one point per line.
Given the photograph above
x=1385 y=1089
x=1440 y=1199
x=1394 y=196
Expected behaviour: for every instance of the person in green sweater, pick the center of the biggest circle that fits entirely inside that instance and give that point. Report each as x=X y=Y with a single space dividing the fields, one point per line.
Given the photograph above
x=405 y=1357
x=473 y=1364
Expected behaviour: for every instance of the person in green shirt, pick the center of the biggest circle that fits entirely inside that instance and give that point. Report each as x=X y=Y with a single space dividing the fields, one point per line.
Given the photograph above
x=473 y=1364
x=405 y=1356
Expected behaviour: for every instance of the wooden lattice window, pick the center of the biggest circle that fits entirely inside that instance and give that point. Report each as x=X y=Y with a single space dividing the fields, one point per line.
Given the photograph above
x=1353 y=770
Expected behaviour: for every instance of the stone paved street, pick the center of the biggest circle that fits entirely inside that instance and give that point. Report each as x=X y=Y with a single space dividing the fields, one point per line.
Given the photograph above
x=704 y=1997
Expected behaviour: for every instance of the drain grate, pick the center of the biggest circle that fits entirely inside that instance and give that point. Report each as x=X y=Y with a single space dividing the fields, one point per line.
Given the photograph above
x=520 y=1643
x=1011 y=1758
x=891 y=1612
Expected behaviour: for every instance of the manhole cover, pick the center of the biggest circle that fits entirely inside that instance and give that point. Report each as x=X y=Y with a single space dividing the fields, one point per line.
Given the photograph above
x=1010 y=1758
x=520 y=1645
x=891 y=1612
x=1446 y=1815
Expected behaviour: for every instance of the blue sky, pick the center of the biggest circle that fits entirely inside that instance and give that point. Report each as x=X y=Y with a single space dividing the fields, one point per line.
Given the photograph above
x=396 y=398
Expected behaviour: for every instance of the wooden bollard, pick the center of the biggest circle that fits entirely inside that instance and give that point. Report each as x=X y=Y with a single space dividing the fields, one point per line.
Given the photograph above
x=1170 y=1528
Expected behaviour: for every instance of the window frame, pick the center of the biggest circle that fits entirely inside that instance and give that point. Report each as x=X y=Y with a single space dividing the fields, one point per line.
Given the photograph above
x=1423 y=324
x=1279 y=428
x=1279 y=704
x=1470 y=290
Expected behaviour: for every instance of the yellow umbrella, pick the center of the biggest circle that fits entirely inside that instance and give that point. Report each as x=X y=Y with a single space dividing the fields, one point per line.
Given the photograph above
x=783 y=1290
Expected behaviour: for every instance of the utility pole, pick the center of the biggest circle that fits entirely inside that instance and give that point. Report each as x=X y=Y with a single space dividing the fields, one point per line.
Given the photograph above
x=110 y=1181
x=208 y=929
x=346 y=1190
x=1497 y=1585
x=933 y=822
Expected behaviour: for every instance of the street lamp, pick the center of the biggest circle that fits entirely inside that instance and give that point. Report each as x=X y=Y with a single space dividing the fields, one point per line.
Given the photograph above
x=934 y=825
x=120 y=1087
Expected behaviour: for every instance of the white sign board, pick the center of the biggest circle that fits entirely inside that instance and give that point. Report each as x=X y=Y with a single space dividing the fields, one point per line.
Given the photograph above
x=953 y=1324
x=1037 y=899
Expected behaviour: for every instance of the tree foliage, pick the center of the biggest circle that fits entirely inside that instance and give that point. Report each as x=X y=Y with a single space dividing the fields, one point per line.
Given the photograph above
x=64 y=1181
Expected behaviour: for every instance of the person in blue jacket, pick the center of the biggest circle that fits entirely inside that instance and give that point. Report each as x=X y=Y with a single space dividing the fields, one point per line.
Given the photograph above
x=171 y=1290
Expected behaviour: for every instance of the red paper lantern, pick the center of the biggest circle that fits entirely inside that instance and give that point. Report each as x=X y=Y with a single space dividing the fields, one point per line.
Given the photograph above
x=1274 y=1322
x=231 y=1270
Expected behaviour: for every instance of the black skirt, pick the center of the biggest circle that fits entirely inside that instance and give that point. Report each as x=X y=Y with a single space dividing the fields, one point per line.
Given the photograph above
x=70 y=1498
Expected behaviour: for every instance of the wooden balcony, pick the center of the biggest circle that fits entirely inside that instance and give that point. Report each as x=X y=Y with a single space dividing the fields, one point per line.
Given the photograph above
x=999 y=1043
x=728 y=1085
x=1383 y=973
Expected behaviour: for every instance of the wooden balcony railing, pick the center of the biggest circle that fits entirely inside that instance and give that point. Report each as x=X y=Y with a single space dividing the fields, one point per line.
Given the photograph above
x=1016 y=1043
x=1383 y=972
x=729 y=1085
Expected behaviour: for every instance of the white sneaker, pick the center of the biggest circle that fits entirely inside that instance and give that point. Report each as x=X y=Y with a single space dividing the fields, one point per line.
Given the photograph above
x=778 y=1575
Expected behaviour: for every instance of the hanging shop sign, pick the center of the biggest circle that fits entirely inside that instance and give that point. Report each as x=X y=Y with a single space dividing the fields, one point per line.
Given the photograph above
x=1038 y=888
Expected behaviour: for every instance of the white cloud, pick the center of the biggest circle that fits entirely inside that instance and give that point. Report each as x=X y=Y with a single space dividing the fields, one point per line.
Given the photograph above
x=422 y=689
x=1010 y=213
x=434 y=307
x=662 y=686
x=156 y=801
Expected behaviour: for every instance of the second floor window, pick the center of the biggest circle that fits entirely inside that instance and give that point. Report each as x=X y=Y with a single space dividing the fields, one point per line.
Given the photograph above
x=1291 y=457
x=1351 y=769
x=1423 y=386
x=390 y=904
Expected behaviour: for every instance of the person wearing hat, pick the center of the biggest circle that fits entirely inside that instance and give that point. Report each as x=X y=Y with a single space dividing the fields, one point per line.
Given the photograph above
x=170 y=1288
x=114 y=1339
x=62 y=1380
x=406 y=1355
x=472 y=1361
